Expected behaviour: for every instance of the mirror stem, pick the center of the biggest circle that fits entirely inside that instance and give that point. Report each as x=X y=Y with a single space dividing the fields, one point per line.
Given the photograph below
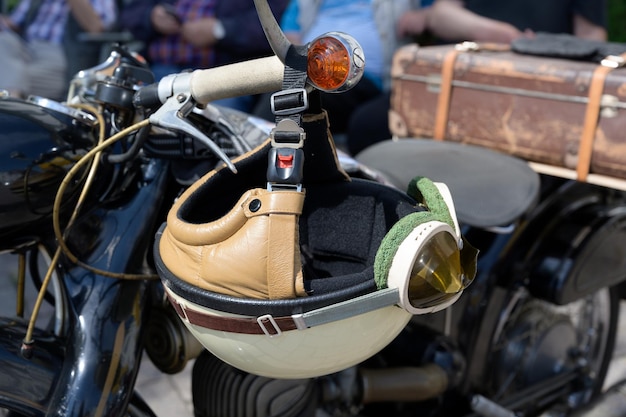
x=274 y=34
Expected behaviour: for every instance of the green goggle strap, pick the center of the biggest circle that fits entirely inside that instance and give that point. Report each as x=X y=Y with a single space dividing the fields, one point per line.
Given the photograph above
x=426 y=193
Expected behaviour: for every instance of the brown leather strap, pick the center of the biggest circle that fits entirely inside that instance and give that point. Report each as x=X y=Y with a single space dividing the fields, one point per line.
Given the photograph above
x=445 y=92
x=447 y=76
x=267 y=324
x=284 y=274
x=279 y=212
x=590 y=124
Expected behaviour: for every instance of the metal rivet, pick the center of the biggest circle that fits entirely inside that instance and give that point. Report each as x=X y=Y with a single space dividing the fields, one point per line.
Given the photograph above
x=255 y=205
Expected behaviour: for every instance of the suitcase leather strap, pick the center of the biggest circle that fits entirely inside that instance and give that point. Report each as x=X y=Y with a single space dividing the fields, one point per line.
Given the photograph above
x=445 y=92
x=447 y=76
x=592 y=112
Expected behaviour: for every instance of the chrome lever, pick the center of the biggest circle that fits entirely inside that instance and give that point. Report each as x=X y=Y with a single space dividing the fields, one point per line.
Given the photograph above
x=172 y=115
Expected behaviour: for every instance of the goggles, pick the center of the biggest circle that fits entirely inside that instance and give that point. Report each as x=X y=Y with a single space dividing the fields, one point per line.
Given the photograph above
x=424 y=255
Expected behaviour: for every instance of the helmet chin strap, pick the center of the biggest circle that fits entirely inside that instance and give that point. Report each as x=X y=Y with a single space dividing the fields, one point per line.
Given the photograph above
x=286 y=157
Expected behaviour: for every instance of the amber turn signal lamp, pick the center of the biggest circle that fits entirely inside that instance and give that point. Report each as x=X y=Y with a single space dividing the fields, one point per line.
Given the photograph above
x=335 y=62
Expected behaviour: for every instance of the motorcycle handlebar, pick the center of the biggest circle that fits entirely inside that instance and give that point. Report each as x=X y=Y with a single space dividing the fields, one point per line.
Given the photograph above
x=244 y=78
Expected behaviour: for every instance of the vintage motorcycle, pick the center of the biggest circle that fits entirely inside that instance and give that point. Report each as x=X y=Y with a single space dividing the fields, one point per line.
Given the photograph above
x=532 y=335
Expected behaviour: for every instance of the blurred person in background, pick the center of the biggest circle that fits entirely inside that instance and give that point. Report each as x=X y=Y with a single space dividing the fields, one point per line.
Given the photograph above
x=32 y=43
x=484 y=21
x=505 y=21
x=196 y=34
x=380 y=26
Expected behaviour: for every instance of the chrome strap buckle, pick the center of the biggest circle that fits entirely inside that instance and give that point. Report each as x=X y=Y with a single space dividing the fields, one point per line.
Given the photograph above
x=267 y=318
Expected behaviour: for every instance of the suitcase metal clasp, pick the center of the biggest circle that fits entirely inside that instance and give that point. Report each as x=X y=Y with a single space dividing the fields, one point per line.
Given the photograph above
x=467 y=46
x=613 y=61
x=609 y=106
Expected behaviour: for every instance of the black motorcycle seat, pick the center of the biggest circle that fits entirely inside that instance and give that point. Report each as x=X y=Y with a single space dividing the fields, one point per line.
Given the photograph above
x=489 y=188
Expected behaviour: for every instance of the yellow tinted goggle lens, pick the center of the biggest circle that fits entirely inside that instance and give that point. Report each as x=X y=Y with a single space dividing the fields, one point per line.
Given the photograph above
x=436 y=274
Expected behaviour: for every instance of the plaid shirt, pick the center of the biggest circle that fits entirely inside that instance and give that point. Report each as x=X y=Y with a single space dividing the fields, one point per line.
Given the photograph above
x=244 y=35
x=51 y=17
x=173 y=49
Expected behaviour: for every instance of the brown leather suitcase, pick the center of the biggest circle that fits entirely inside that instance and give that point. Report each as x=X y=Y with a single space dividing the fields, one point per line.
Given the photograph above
x=566 y=116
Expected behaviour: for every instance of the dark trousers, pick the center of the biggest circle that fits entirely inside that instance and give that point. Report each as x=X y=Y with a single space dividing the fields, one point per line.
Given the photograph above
x=368 y=124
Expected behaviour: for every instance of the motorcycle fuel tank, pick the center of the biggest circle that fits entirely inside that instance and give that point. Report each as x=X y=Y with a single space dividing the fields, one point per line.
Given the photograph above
x=39 y=142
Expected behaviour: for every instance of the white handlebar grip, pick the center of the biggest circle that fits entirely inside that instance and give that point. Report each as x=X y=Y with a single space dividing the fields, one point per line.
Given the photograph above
x=245 y=78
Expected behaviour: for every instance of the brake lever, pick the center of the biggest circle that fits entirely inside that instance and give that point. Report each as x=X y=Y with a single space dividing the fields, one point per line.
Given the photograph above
x=172 y=115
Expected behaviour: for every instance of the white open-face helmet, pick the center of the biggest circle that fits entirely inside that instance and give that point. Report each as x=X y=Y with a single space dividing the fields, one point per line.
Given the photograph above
x=299 y=283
